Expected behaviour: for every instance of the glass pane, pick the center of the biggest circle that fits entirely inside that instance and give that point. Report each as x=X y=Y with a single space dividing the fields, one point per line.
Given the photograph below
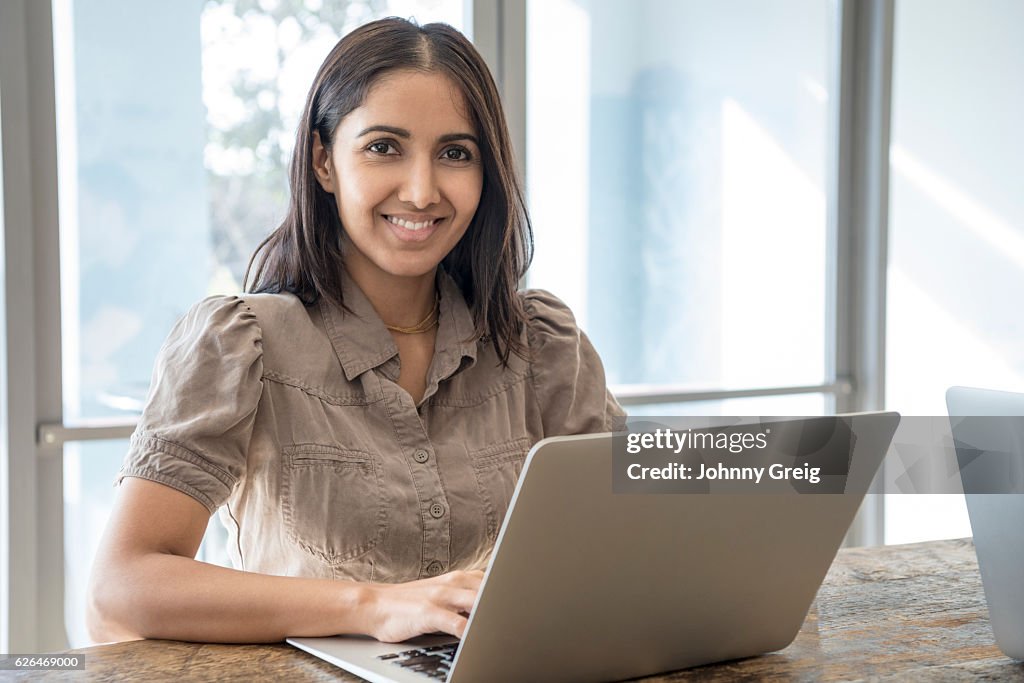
x=956 y=216
x=89 y=471
x=175 y=124
x=677 y=179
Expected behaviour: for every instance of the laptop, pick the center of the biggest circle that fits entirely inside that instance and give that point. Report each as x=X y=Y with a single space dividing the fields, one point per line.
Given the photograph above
x=589 y=585
x=988 y=432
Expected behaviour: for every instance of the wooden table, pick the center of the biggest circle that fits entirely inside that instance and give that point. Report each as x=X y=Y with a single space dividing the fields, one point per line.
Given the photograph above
x=911 y=612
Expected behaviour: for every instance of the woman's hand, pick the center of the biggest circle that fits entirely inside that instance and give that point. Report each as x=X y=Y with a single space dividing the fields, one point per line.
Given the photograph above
x=403 y=610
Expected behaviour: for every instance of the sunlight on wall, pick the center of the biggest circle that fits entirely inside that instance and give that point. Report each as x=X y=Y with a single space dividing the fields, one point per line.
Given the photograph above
x=988 y=227
x=773 y=243
x=558 y=178
x=956 y=234
x=958 y=356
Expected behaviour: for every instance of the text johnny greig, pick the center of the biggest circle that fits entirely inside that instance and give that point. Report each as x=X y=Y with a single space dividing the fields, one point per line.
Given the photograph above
x=691 y=440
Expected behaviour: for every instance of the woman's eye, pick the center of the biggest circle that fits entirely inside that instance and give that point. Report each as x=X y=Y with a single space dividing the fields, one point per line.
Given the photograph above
x=380 y=147
x=457 y=154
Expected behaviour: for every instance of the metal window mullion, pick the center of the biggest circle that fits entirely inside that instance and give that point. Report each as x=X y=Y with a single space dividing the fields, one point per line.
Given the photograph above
x=484 y=28
x=18 y=551
x=55 y=435
x=33 y=504
x=859 y=211
x=627 y=395
x=499 y=33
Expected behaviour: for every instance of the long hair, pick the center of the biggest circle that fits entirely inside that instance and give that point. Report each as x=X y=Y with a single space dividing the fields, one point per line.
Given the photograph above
x=303 y=255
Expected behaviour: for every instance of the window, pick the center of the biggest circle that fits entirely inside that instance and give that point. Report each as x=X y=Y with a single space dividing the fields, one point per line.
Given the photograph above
x=956 y=250
x=678 y=185
x=680 y=164
x=176 y=121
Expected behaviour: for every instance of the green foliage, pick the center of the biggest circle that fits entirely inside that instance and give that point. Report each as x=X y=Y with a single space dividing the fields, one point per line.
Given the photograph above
x=245 y=208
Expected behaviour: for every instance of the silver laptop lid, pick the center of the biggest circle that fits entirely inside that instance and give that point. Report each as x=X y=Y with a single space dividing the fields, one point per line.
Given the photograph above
x=588 y=585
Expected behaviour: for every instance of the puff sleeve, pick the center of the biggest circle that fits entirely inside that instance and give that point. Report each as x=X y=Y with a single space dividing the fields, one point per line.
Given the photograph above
x=567 y=373
x=195 y=430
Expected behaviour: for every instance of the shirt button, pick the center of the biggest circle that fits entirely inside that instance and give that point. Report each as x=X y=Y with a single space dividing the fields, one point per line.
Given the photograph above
x=437 y=510
x=434 y=568
x=421 y=456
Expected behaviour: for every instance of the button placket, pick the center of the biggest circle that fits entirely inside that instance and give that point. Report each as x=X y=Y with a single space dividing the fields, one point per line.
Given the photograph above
x=430 y=492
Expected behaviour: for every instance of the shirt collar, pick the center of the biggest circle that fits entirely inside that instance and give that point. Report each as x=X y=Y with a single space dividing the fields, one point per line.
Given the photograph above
x=361 y=341
x=455 y=333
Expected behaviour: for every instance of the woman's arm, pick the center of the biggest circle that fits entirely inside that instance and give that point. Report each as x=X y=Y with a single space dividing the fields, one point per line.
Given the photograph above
x=146 y=584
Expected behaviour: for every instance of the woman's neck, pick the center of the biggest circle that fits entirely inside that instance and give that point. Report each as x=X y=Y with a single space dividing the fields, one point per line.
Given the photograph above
x=399 y=301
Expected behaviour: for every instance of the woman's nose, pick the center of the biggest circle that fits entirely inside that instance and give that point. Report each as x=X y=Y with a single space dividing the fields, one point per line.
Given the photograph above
x=420 y=185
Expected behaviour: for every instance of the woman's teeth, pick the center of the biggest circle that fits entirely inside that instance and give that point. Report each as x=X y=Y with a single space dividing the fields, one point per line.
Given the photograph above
x=409 y=225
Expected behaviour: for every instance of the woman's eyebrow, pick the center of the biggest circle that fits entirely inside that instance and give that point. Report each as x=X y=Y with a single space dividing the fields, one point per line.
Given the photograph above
x=403 y=133
x=452 y=137
x=400 y=132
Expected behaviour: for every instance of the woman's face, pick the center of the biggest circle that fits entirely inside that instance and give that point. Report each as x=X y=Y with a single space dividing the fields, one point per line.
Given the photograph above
x=406 y=173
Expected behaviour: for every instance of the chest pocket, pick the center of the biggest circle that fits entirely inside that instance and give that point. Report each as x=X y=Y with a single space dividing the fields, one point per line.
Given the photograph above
x=334 y=504
x=497 y=470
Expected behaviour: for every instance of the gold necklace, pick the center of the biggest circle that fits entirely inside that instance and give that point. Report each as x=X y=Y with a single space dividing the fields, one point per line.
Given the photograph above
x=425 y=325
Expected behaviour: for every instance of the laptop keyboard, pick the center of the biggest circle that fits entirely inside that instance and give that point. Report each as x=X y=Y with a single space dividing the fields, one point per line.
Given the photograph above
x=434 y=661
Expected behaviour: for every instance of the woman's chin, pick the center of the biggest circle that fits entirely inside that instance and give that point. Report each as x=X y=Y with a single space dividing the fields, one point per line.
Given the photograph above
x=409 y=269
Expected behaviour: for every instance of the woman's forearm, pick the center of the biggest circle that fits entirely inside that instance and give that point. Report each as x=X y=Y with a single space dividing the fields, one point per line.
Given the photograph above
x=159 y=595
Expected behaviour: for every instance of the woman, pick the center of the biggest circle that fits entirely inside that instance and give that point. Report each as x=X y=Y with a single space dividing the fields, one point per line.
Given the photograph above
x=361 y=416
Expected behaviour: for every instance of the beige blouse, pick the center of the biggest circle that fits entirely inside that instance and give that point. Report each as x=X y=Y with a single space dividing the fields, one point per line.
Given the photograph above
x=290 y=420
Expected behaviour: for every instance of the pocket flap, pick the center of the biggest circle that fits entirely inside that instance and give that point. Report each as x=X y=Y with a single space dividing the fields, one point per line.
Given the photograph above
x=498 y=453
x=313 y=454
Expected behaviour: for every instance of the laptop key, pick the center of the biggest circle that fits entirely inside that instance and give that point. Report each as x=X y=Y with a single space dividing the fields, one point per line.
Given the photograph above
x=435 y=661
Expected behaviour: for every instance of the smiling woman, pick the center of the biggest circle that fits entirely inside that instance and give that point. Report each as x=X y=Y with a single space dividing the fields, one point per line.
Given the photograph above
x=361 y=415
x=412 y=177
x=406 y=192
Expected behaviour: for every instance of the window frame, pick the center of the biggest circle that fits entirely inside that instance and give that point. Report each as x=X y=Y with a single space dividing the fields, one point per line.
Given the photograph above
x=33 y=426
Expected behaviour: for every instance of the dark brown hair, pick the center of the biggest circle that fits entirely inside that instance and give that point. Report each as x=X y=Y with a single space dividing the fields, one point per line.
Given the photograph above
x=303 y=255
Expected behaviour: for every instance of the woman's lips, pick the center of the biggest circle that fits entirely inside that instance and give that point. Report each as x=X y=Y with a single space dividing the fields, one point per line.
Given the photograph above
x=418 y=232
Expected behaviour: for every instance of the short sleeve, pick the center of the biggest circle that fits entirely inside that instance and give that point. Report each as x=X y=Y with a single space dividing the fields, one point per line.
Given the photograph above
x=195 y=430
x=567 y=373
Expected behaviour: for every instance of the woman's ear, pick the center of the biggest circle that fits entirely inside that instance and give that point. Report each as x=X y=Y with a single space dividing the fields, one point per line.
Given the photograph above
x=322 y=165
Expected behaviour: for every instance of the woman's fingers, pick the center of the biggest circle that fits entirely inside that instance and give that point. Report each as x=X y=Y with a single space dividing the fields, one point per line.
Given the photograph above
x=468 y=579
x=458 y=623
x=430 y=605
x=457 y=599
